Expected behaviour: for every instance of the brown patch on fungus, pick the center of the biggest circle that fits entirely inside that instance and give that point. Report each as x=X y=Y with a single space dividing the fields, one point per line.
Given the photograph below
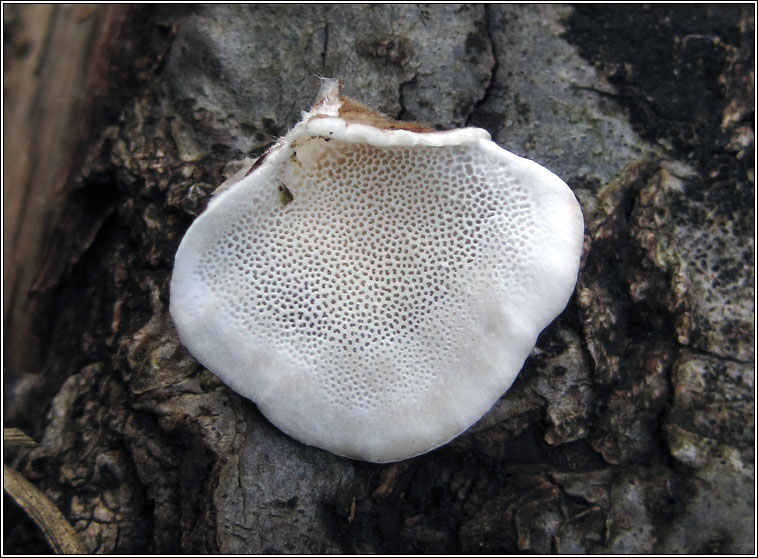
x=257 y=163
x=357 y=113
x=285 y=196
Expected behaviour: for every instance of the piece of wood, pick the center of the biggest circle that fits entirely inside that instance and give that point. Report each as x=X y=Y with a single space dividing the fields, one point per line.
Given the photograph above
x=16 y=437
x=52 y=63
x=57 y=531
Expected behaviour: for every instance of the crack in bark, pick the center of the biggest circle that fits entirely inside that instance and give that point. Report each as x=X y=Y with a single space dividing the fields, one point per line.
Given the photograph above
x=401 y=115
x=489 y=88
x=325 y=48
x=709 y=354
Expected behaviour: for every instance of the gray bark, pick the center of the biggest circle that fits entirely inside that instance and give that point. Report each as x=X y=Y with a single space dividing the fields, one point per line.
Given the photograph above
x=630 y=428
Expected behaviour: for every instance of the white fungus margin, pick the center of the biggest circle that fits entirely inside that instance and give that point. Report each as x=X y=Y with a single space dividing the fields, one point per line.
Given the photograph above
x=373 y=286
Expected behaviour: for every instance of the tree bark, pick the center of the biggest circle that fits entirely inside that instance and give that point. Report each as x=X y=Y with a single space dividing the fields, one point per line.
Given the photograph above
x=630 y=428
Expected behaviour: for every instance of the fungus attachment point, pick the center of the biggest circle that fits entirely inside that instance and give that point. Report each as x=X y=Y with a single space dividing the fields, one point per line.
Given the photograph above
x=378 y=304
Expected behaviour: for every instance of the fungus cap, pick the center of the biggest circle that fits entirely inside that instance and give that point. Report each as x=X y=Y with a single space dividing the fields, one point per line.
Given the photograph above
x=375 y=286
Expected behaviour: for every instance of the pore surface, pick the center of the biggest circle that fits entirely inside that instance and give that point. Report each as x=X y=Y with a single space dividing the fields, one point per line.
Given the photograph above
x=376 y=301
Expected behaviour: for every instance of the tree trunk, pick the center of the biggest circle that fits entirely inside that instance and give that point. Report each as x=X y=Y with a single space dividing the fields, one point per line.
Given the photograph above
x=630 y=428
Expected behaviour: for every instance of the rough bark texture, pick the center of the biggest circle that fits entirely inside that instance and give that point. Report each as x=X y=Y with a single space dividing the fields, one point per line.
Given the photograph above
x=630 y=428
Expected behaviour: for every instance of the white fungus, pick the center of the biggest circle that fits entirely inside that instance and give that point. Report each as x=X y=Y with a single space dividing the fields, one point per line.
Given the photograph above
x=375 y=286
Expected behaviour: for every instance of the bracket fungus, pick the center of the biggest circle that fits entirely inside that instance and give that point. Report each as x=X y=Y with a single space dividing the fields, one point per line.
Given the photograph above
x=375 y=286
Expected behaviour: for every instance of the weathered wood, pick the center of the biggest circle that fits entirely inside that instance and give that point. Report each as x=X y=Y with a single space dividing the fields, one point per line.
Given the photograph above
x=54 y=66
